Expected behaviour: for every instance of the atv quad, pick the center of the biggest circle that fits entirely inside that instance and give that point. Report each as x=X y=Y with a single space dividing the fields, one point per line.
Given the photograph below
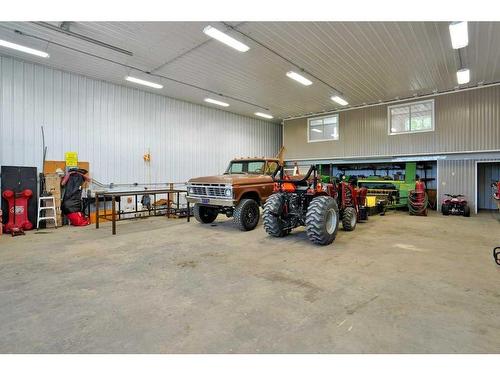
x=307 y=202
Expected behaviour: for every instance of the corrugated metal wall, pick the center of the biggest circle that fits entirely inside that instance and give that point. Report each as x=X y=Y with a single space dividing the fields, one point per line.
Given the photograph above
x=459 y=177
x=464 y=121
x=486 y=173
x=112 y=126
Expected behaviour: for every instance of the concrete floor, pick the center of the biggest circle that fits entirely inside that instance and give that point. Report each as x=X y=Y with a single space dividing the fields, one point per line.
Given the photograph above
x=397 y=284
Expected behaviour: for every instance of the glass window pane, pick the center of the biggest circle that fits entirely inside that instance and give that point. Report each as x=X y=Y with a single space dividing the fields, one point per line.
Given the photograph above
x=315 y=133
x=400 y=111
x=271 y=167
x=400 y=123
x=330 y=120
x=316 y=122
x=256 y=167
x=236 y=168
x=331 y=132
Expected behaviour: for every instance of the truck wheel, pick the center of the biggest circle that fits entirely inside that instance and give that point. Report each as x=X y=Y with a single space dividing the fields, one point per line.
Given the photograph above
x=246 y=214
x=322 y=220
x=467 y=211
x=445 y=209
x=349 y=219
x=271 y=216
x=204 y=214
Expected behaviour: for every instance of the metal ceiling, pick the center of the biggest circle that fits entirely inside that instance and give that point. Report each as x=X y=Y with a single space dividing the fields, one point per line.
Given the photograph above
x=366 y=62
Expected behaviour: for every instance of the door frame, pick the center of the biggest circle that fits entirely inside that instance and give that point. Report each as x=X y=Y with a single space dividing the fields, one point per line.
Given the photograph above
x=476 y=162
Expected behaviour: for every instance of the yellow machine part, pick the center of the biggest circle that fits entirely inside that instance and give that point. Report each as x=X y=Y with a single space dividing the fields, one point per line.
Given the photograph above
x=371 y=201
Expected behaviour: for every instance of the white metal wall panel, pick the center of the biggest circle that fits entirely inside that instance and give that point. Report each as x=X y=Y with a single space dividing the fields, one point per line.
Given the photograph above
x=459 y=177
x=464 y=121
x=112 y=126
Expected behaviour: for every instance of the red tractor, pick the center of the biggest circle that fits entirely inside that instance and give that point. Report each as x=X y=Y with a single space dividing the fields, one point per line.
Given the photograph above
x=317 y=206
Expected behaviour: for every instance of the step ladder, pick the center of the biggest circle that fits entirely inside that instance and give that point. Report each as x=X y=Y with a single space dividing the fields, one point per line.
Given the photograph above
x=45 y=205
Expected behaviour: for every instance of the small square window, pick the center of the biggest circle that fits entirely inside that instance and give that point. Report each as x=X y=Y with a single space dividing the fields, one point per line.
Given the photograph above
x=411 y=117
x=323 y=129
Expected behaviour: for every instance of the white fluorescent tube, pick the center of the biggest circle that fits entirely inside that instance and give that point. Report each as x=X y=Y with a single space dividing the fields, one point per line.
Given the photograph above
x=299 y=78
x=213 y=101
x=265 y=115
x=459 y=34
x=143 y=82
x=463 y=76
x=226 y=39
x=21 y=48
x=317 y=130
x=339 y=100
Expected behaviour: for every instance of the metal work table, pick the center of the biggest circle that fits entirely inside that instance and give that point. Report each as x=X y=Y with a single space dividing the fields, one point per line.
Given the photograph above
x=117 y=216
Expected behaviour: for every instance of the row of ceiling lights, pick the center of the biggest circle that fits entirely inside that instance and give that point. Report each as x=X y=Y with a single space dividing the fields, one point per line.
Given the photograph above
x=458 y=32
x=241 y=47
x=460 y=39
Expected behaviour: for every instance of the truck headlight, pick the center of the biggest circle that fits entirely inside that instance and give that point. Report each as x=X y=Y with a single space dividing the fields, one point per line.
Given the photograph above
x=228 y=192
x=190 y=190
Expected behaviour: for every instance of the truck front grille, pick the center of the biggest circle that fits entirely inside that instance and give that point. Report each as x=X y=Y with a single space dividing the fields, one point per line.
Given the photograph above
x=213 y=191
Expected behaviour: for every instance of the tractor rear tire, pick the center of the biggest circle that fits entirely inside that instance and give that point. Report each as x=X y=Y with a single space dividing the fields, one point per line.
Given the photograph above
x=467 y=211
x=205 y=214
x=445 y=209
x=271 y=216
x=322 y=220
x=349 y=219
x=246 y=214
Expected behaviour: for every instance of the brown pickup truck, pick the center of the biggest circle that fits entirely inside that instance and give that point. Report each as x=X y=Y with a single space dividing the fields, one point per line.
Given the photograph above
x=238 y=193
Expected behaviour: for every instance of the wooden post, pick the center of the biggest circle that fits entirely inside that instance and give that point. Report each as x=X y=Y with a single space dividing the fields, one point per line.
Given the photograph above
x=113 y=212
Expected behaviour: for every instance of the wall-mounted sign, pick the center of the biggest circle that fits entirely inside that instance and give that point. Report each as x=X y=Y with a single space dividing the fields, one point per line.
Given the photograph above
x=71 y=159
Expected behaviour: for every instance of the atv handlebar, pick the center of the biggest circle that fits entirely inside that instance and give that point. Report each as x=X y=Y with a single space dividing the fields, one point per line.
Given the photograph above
x=454 y=196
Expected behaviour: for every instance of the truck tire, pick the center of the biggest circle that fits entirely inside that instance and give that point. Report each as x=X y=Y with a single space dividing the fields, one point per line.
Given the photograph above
x=349 y=219
x=467 y=211
x=270 y=217
x=204 y=214
x=322 y=220
x=246 y=214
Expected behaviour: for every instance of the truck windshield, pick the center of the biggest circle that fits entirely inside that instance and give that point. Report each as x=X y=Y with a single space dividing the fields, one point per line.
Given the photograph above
x=246 y=166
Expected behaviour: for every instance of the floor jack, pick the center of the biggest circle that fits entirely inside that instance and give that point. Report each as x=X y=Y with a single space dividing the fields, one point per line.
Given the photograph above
x=14 y=226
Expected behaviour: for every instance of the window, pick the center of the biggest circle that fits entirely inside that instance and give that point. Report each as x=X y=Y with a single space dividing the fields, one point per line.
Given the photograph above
x=323 y=128
x=245 y=166
x=271 y=167
x=411 y=118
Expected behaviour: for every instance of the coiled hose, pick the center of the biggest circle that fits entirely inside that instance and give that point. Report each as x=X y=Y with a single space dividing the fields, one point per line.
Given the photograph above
x=415 y=207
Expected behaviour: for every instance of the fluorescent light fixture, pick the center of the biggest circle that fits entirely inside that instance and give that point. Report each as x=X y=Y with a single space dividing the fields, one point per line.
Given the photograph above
x=463 y=76
x=299 y=78
x=339 y=100
x=226 y=39
x=459 y=34
x=265 y=115
x=213 y=101
x=143 y=82
x=317 y=130
x=24 y=49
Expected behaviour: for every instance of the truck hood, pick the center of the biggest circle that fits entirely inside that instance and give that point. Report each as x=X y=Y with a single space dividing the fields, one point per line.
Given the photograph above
x=231 y=179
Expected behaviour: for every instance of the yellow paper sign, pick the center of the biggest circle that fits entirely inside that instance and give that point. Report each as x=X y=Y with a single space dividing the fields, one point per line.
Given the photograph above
x=71 y=159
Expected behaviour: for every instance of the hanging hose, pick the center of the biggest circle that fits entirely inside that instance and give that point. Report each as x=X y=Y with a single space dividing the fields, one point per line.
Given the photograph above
x=415 y=205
